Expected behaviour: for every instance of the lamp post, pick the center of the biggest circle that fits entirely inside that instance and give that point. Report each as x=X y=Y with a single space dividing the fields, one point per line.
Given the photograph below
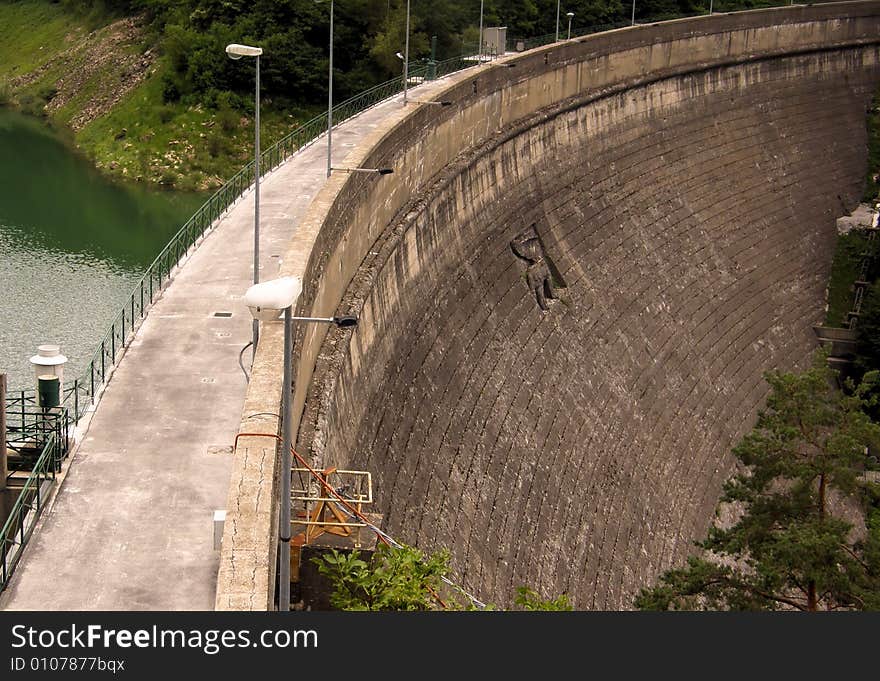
x=266 y=301
x=236 y=51
x=569 y=15
x=330 y=94
x=557 y=20
x=480 y=38
x=406 y=56
x=634 y=13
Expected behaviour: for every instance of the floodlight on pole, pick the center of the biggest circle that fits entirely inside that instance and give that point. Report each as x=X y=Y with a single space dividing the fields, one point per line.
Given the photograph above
x=330 y=93
x=557 y=20
x=237 y=51
x=406 y=56
x=265 y=302
x=480 y=38
x=569 y=15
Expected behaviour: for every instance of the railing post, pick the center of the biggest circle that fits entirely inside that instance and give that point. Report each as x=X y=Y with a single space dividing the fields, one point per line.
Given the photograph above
x=75 y=400
x=113 y=343
x=103 y=368
x=92 y=380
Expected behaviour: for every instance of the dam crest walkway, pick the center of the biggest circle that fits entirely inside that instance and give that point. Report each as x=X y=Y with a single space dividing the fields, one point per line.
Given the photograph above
x=130 y=527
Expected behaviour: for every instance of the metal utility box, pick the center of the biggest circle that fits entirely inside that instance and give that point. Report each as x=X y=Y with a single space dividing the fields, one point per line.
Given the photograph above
x=495 y=40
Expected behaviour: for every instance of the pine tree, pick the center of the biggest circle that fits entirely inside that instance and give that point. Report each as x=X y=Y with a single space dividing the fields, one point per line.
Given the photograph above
x=808 y=532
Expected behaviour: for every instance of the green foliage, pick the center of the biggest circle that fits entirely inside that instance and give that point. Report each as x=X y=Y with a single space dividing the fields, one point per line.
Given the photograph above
x=528 y=599
x=795 y=545
x=394 y=579
x=869 y=330
x=405 y=579
x=5 y=94
x=872 y=185
x=844 y=271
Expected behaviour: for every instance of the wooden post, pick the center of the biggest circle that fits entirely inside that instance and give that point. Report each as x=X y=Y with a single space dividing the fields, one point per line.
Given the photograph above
x=3 y=470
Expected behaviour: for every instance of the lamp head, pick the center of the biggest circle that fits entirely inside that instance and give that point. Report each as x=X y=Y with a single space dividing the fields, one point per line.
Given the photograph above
x=267 y=299
x=398 y=55
x=236 y=51
x=345 y=321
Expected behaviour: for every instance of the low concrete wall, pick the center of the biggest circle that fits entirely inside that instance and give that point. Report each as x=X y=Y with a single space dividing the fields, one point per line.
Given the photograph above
x=628 y=149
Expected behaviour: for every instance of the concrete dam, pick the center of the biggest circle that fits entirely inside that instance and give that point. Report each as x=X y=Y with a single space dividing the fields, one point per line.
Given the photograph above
x=569 y=290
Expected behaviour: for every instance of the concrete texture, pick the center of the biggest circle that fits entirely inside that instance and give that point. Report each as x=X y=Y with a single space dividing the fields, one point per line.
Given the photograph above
x=675 y=180
x=131 y=527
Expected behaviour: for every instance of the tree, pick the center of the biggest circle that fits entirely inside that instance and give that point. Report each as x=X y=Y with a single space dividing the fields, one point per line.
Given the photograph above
x=808 y=533
x=394 y=579
x=402 y=578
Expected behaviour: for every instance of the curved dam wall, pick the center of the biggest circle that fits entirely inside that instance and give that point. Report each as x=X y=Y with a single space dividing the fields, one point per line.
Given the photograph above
x=569 y=290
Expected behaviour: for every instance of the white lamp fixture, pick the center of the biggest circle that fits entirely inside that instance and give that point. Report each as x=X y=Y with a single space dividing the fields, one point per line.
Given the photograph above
x=267 y=300
x=236 y=51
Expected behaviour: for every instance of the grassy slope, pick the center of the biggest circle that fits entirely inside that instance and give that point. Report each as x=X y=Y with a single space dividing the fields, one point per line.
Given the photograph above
x=31 y=33
x=140 y=138
x=185 y=147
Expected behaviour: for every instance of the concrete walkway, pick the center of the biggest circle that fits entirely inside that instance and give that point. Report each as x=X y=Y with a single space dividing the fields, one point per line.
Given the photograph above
x=131 y=526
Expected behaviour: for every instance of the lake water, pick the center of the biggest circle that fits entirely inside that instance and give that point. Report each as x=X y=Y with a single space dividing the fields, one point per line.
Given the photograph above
x=72 y=246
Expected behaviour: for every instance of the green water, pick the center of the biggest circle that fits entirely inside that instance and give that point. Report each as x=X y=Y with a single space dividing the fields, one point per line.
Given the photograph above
x=72 y=246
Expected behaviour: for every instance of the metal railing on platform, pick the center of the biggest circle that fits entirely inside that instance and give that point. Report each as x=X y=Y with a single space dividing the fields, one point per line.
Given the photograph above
x=19 y=525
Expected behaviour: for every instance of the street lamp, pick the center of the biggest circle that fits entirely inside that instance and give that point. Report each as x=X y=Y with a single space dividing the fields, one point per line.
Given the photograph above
x=236 y=51
x=557 y=20
x=266 y=301
x=634 y=13
x=406 y=56
x=330 y=94
x=480 y=39
x=569 y=15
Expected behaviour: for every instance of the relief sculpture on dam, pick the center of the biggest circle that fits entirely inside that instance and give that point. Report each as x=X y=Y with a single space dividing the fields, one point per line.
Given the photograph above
x=542 y=275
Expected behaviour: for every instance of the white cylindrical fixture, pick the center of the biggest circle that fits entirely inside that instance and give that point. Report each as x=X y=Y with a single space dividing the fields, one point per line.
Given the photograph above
x=49 y=361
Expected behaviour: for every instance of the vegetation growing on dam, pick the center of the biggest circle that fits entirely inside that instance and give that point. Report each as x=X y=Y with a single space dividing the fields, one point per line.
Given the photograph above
x=147 y=92
x=402 y=578
x=808 y=532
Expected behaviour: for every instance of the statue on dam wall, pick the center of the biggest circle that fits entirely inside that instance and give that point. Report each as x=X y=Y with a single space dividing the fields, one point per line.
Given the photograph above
x=542 y=275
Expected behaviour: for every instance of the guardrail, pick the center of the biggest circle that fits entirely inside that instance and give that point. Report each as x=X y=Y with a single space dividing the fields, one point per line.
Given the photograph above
x=24 y=514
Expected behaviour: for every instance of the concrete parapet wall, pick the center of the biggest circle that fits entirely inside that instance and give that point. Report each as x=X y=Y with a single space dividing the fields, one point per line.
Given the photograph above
x=684 y=179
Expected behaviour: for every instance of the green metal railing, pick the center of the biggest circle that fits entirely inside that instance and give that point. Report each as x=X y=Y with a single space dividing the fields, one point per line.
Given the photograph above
x=24 y=514
x=29 y=427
